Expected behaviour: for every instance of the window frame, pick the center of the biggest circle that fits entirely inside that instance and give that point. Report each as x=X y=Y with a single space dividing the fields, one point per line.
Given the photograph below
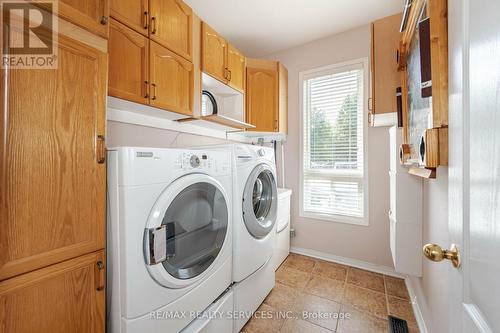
x=361 y=63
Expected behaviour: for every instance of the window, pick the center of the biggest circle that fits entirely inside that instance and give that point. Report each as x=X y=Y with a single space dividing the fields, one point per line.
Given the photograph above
x=333 y=174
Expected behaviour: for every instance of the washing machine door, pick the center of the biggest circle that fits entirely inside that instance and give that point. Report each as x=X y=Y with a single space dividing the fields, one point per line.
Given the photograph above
x=186 y=230
x=260 y=201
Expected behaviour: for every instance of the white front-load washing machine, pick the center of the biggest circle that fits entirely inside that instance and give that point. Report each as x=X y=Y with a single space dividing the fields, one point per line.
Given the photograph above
x=255 y=203
x=169 y=239
x=255 y=213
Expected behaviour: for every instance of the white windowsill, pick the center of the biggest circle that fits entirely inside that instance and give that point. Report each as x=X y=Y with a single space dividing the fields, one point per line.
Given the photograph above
x=361 y=221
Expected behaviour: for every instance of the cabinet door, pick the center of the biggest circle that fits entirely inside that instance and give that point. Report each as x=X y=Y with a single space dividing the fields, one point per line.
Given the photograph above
x=283 y=99
x=385 y=75
x=213 y=53
x=90 y=14
x=133 y=13
x=171 y=26
x=66 y=297
x=262 y=99
x=52 y=172
x=171 y=80
x=128 y=63
x=236 y=66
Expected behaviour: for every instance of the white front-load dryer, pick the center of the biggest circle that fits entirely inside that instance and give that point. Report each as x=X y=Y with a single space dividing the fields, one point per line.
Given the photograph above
x=255 y=214
x=255 y=196
x=256 y=204
x=169 y=236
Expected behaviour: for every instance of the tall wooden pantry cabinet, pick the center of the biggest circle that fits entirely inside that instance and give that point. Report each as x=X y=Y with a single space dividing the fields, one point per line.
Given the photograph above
x=53 y=188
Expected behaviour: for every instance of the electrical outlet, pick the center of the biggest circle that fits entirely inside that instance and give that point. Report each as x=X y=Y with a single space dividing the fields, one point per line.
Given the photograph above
x=292 y=233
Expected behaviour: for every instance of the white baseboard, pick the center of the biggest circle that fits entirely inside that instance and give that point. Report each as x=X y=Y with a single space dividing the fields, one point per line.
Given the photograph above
x=414 y=291
x=348 y=261
x=417 y=301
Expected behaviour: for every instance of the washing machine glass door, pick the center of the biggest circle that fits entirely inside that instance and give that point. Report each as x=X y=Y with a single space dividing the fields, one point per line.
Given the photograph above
x=186 y=230
x=260 y=201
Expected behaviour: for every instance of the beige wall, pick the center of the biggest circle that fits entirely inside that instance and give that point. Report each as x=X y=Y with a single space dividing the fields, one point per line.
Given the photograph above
x=370 y=244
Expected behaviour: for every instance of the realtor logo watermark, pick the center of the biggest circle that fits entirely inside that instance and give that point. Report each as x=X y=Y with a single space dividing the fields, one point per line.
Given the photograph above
x=29 y=34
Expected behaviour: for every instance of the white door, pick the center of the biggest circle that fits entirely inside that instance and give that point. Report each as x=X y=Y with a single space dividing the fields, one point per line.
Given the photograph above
x=474 y=172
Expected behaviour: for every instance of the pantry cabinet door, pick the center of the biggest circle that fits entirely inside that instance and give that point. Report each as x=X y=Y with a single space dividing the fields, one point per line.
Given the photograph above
x=262 y=99
x=133 y=13
x=213 y=53
x=236 y=65
x=92 y=15
x=172 y=25
x=171 y=81
x=66 y=297
x=283 y=99
x=384 y=70
x=52 y=170
x=128 y=64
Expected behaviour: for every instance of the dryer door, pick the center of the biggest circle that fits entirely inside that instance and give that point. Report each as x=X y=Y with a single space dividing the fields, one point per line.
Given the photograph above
x=260 y=201
x=186 y=230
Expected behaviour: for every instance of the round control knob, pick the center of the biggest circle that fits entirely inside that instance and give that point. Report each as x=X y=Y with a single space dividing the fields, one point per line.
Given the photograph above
x=194 y=161
x=261 y=152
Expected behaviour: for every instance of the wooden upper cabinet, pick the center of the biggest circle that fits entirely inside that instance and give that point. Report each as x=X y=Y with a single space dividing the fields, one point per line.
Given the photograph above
x=171 y=25
x=266 y=95
x=384 y=67
x=128 y=63
x=262 y=96
x=92 y=15
x=133 y=13
x=171 y=78
x=213 y=53
x=66 y=297
x=236 y=65
x=53 y=174
x=283 y=99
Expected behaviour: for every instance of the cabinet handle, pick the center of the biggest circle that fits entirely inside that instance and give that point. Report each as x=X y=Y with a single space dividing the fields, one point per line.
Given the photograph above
x=146 y=95
x=100 y=149
x=153 y=25
x=146 y=20
x=227 y=74
x=370 y=104
x=154 y=91
x=104 y=20
x=99 y=275
x=371 y=118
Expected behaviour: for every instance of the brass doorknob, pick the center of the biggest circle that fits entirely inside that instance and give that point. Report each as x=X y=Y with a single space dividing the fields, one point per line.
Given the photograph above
x=436 y=253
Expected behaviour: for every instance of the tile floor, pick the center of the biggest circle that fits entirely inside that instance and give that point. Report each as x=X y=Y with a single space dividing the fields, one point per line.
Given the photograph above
x=312 y=295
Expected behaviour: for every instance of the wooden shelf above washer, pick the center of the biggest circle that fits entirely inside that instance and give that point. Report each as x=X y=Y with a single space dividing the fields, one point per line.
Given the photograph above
x=229 y=123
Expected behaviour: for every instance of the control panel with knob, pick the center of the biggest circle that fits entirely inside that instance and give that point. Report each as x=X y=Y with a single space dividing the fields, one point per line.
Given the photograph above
x=261 y=152
x=194 y=161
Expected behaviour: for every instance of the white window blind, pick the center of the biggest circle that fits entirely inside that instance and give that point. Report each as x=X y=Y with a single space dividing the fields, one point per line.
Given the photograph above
x=333 y=158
